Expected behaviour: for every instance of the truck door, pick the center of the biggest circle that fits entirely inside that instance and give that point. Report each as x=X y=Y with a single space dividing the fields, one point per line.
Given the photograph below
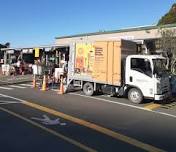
x=139 y=74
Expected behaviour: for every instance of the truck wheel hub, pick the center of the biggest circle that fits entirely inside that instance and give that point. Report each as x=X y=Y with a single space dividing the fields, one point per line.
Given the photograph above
x=89 y=89
x=135 y=95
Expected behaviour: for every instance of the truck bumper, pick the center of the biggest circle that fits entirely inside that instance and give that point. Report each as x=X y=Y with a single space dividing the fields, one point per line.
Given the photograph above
x=162 y=97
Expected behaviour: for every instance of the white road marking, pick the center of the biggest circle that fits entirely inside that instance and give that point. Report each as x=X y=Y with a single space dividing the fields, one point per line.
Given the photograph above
x=2 y=81
x=123 y=104
x=6 y=88
x=54 y=90
x=9 y=101
x=16 y=86
x=163 y=113
x=12 y=102
x=26 y=85
x=106 y=95
x=61 y=136
x=47 y=121
x=127 y=105
x=36 y=83
x=110 y=101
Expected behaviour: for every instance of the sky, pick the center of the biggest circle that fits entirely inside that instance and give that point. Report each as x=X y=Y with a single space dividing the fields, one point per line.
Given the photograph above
x=26 y=23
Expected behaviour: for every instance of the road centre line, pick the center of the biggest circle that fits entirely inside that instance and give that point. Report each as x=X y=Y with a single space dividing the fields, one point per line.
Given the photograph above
x=71 y=141
x=92 y=126
x=124 y=104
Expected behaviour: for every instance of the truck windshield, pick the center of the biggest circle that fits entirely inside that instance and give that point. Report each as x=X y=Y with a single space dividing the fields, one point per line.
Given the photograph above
x=159 y=66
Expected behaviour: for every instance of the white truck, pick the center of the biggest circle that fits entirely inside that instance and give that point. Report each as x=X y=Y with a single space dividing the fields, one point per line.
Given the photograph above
x=112 y=67
x=146 y=77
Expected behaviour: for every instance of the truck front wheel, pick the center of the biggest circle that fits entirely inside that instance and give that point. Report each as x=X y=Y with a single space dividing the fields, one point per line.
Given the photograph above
x=135 y=95
x=88 y=89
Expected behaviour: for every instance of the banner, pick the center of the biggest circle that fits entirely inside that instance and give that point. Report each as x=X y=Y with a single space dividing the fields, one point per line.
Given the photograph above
x=37 y=52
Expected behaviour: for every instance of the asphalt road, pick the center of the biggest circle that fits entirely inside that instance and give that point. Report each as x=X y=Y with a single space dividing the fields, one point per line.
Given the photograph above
x=32 y=120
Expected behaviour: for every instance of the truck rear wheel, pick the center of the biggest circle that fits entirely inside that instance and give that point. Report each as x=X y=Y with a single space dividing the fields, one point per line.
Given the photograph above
x=88 y=89
x=135 y=96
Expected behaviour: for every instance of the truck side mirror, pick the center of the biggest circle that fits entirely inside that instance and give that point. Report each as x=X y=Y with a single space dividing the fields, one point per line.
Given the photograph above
x=155 y=75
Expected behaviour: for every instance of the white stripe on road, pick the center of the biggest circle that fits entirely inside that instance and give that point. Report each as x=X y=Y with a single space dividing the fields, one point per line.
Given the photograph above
x=6 y=88
x=16 y=86
x=9 y=102
x=54 y=90
x=61 y=136
x=105 y=100
x=110 y=101
x=127 y=105
x=89 y=125
x=26 y=85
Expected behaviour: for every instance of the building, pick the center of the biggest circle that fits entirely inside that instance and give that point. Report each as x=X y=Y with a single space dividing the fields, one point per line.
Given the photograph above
x=145 y=36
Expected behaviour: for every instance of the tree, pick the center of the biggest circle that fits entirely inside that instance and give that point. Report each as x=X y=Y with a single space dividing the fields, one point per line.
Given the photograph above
x=6 y=45
x=170 y=17
x=168 y=46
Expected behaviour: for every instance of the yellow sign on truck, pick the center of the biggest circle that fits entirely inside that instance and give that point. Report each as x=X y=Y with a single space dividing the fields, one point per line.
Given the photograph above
x=84 y=58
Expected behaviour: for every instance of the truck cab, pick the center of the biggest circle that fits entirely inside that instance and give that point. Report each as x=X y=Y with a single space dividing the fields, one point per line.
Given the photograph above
x=146 y=77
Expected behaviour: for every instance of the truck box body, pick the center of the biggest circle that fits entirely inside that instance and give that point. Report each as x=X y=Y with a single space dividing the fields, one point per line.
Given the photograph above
x=100 y=61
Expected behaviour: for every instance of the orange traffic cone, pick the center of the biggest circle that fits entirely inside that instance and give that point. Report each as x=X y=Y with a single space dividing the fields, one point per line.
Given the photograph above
x=34 y=82
x=61 y=88
x=44 y=84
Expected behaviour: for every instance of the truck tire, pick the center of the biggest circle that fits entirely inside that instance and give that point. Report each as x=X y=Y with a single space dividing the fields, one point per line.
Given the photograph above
x=88 y=89
x=135 y=95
